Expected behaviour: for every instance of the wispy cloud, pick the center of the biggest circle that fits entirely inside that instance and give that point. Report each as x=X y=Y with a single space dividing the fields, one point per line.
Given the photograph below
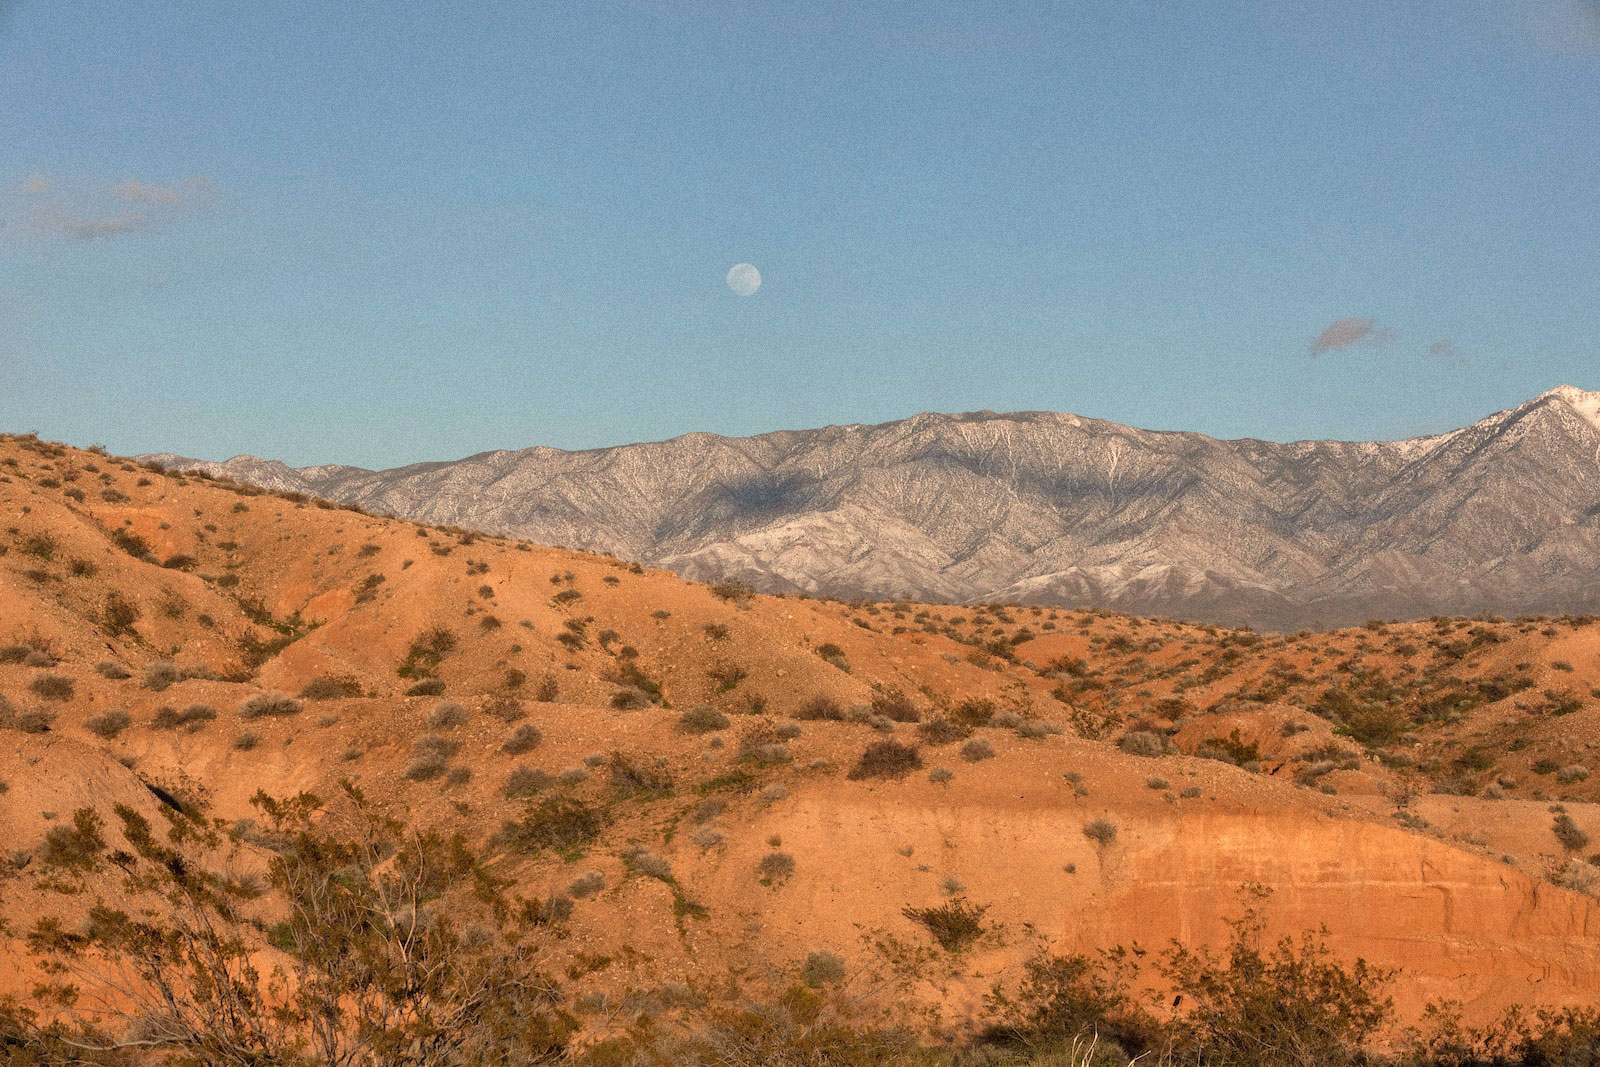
x=48 y=207
x=1443 y=350
x=1347 y=333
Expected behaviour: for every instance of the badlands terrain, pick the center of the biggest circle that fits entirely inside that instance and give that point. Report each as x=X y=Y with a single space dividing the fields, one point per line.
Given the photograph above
x=1057 y=509
x=712 y=791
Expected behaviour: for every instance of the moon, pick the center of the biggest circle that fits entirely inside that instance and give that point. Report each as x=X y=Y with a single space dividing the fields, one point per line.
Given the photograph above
x=744 y=279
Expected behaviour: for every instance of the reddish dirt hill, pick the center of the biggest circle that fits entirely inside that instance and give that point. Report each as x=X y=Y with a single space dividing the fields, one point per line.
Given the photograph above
x=172 y=642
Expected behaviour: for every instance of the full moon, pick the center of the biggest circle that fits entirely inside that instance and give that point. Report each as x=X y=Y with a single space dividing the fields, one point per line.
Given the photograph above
x=744 y=279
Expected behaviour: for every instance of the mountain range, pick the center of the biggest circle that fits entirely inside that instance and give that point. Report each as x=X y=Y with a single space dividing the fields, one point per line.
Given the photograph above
x=1052 y=508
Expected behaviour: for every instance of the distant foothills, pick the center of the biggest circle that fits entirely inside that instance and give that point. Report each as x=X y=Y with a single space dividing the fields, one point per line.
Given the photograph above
x=1500 y=516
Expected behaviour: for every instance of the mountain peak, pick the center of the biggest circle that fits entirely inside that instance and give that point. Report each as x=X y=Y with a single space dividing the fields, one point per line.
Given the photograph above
x=1585 y=404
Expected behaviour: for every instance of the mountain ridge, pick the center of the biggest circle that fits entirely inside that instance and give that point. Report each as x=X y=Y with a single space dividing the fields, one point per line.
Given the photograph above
x=1054 y=508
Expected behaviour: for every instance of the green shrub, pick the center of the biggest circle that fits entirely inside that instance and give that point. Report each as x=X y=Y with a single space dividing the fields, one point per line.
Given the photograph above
x=558 y=823
x=954 y=926
x=822 y=968
x=77 y=846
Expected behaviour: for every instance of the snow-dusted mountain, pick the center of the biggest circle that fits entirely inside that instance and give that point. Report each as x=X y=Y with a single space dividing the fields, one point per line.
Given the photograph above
x=1503 y=515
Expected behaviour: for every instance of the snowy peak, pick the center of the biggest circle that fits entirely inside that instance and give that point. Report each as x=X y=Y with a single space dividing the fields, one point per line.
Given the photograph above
x=1586 y=405
x=1502 y=516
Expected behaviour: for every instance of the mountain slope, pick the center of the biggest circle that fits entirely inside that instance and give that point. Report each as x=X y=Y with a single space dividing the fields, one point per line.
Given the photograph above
x=1037 y=507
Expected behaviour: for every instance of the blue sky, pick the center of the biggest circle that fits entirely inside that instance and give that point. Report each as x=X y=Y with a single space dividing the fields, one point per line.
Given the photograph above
x=381 y=232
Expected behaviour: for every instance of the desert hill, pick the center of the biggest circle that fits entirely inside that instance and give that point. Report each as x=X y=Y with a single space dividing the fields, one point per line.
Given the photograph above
x=1056 y=509
x=174 y=644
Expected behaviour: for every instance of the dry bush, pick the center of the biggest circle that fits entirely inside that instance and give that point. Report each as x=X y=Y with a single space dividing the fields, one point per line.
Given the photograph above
x=525 y=738
x=702 y=719
x=269 y=704
x=192 y=718
x=943 y=731
x=110 y=724
x=977 y=749
x=820 y=708
x=447 y=715
x=886 y=759
x=587 y=884
x=161 y=674
x=52 y=686
x=328 y=687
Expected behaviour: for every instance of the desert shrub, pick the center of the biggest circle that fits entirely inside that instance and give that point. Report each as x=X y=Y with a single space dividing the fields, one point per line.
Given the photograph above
x=52 y=686
x=1294 y=996
x=246 y=741
x=716 y=631
x=954 y=926
x=32 y=721
x=1143 y=743
x=525 y=738
x=162 y=674
x=886 y=759
x=119 y=614
x=820 y=708
x=327 y=687
x=1572 y=838
x=558 y=823
x=193 y=717
x=131 y=543
x=705 y=837
x=822 y=968
x=1102 y=831
x=641 y=860
x=1574 y=773
x=1157 y=783
x=269 y=704
x=526 y=782
x=775 y=867
x=977 y=749
x=429 y=757
x=629 y=778
x=428 y=687
x=1035 y=729
x=942 y=731
x=941 y=776
x=974 y=712
x=77 y=846
x=447 y=715
x=111 y=669
x=587 y=884
x=458 y=776
x=109 y=725
x=702 y=719
x=893 y=704
x=14 y=653
x=630 y=698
